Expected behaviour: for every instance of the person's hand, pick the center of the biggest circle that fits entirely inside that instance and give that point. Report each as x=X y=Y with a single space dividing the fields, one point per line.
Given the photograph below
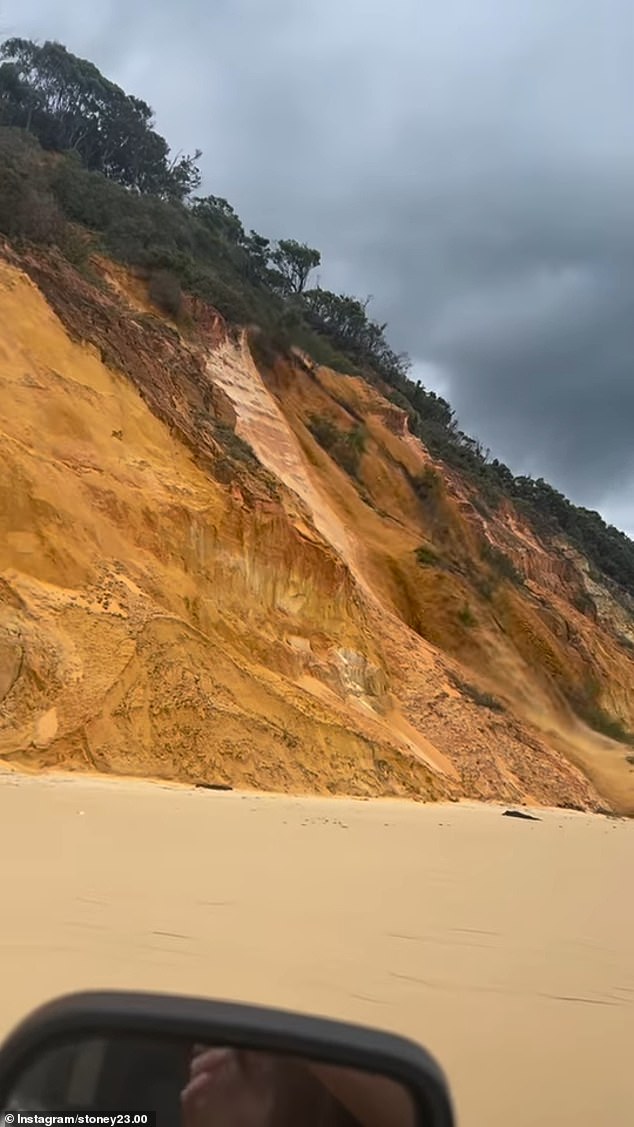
x=229 y=1088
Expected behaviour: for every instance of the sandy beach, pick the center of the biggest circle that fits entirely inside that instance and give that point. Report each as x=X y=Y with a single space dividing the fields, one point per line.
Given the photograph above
x=506 y=946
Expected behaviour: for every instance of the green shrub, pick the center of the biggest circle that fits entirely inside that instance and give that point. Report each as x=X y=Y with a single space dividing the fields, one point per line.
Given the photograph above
x=587 y=707
x=500 y=563
x=236 y=447
x=264 y=348
x=428 y=483
x=480 y=505
x=320 y=349
x=426 y=556
x=346 y=457
x=486 y=587
x=584 y=603
x=345 y=447
x=324 y=431
x=28 y=210
x=466 y=616
x=483 y=699
x=606 y=725
x=165 y=292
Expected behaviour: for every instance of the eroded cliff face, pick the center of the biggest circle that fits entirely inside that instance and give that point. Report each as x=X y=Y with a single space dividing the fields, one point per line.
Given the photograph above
x=176 y=603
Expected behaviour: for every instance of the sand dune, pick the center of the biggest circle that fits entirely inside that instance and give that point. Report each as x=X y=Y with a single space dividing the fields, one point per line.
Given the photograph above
x=504 y=945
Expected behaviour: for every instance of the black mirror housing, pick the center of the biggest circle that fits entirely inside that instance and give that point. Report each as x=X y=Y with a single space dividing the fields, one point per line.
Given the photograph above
x=244 y=1027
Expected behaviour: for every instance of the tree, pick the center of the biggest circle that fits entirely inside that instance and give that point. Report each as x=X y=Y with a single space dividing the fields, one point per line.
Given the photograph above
x=219 y=216
x=345 y=321
x=164 y=290
x=258 y=254
x=183 y=176
x=70 y=106
x=294 y=262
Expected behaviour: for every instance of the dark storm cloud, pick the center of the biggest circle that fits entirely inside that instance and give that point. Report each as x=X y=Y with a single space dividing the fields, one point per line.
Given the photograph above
x=470 y=165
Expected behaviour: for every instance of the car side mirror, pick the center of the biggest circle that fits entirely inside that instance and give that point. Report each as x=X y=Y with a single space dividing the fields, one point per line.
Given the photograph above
x=123 y=1059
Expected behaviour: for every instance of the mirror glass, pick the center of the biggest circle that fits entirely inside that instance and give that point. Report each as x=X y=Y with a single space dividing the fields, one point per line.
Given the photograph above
x=139 y=1081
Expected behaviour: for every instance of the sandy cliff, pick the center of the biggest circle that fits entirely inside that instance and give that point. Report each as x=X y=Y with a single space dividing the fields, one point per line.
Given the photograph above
x=175 y=602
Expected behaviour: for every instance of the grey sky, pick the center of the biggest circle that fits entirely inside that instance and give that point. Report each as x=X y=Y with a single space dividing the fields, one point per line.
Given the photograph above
x=470 y=165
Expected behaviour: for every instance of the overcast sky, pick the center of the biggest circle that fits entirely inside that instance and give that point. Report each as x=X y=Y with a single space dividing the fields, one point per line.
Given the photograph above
x=470 y=164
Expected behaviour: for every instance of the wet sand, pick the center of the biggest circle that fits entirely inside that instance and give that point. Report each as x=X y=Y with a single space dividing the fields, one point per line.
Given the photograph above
x=506 y=946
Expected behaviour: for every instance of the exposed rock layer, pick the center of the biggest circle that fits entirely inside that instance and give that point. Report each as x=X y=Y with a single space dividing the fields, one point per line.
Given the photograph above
x=172 y=605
